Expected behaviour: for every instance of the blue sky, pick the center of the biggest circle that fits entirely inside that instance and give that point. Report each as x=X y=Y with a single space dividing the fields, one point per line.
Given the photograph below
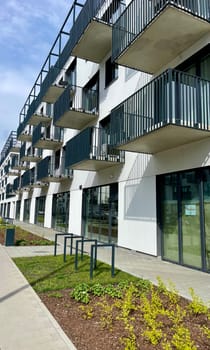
x=28 y=30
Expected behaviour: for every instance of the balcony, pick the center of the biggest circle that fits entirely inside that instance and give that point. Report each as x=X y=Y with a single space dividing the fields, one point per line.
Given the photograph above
x=76 y=108
x=24 y=133
x=17 y=165
x=34 y=118
x=47 y=138
x=29 y=154
x=28 y=179
x=48 y=171
x=170 y=111
x=150 y=34
x=50 y=91
x=11 y=146
x=92 y=31
x=89 y=150
x=17 y=184
x=9 y=191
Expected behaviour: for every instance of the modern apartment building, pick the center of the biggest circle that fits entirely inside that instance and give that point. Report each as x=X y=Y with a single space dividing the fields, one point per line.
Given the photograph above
x=113 y=141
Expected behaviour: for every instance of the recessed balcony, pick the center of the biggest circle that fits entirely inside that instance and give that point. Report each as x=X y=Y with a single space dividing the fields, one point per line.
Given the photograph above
x=150 y=34
x=172 y=110
x=92 y=32
x=89 y=150
x=47 y=138
x=29 y=154
x=48 y=170
x=76 y=108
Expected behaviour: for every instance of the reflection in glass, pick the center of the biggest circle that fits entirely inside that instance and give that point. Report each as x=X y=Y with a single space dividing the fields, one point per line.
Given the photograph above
x=191 y=219
x=100 y=211
x=17 y=215
x=40 y=210
x=26 y=214
x=60 y=211
x=169 y=218
x=206 y=190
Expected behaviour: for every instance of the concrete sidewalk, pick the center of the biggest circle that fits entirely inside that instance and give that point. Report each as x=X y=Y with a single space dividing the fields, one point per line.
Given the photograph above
x=25 y=322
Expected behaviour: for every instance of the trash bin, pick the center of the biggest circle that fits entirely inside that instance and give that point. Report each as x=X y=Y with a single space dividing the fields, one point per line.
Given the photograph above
x=10 y=237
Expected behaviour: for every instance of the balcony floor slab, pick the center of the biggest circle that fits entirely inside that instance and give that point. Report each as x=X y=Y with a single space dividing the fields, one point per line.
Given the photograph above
x=164 y=138
x=167 y=36
x=75 y=119
x=95 y=42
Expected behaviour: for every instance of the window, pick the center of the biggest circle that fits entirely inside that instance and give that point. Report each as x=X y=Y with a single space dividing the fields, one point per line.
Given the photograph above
x=111 y=72
x=40 y=210
x=100 y=213
x=71 y=73
x=57 y=159
x=90 y=94
x=60 y=211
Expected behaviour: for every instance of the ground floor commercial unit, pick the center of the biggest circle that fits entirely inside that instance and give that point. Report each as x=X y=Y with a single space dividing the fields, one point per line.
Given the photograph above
x=156 y=204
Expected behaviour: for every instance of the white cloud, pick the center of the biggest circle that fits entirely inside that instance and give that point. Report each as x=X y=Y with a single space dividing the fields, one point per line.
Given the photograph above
x=28 y=30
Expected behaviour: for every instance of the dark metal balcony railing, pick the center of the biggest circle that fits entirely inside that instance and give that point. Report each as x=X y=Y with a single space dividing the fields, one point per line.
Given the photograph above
x=106 y=11
x=15 y=161
x=76 y=98
x=9 y=191
x=30 y=152
x=91 y=143
x=17 y=183
x=140 y=13
x=172 y=98
x=26 y=178
x=46 y=168
x=41 y=132
x=10 y=143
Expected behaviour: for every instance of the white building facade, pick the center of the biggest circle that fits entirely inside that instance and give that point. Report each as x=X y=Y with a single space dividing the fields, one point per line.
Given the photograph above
x=115 y=144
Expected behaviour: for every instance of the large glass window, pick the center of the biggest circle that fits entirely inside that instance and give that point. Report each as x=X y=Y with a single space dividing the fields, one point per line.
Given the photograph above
x=40 y=210
x=111 y=72
x=60 y=211
x=206 y=197
x=100 y=213
x=169 y=215
x=190 y=206
x=26 y=214
x=184 y=214
x=17 y=215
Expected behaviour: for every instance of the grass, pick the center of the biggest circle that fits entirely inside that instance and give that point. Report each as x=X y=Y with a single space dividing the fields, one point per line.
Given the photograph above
x=49 y=273
x=23 y=237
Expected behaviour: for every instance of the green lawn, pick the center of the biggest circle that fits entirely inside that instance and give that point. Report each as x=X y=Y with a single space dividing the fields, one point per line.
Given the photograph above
x=49 y=273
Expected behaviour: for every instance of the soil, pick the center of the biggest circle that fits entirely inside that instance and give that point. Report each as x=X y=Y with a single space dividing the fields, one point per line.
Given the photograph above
x=92 y=334
x=24 y=238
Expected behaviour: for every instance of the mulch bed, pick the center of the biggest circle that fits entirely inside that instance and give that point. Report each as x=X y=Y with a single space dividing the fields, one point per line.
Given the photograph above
x=90 y=334
x=24 y=238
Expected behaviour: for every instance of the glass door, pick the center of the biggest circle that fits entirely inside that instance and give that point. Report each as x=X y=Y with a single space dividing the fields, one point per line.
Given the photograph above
x=206 y=198
x=169 y=214
x=191 y=232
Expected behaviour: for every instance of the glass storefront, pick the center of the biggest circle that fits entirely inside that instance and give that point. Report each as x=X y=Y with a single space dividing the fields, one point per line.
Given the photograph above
x=60 y=211
x=100 y=213
x=184 y=217
x=40 y=210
